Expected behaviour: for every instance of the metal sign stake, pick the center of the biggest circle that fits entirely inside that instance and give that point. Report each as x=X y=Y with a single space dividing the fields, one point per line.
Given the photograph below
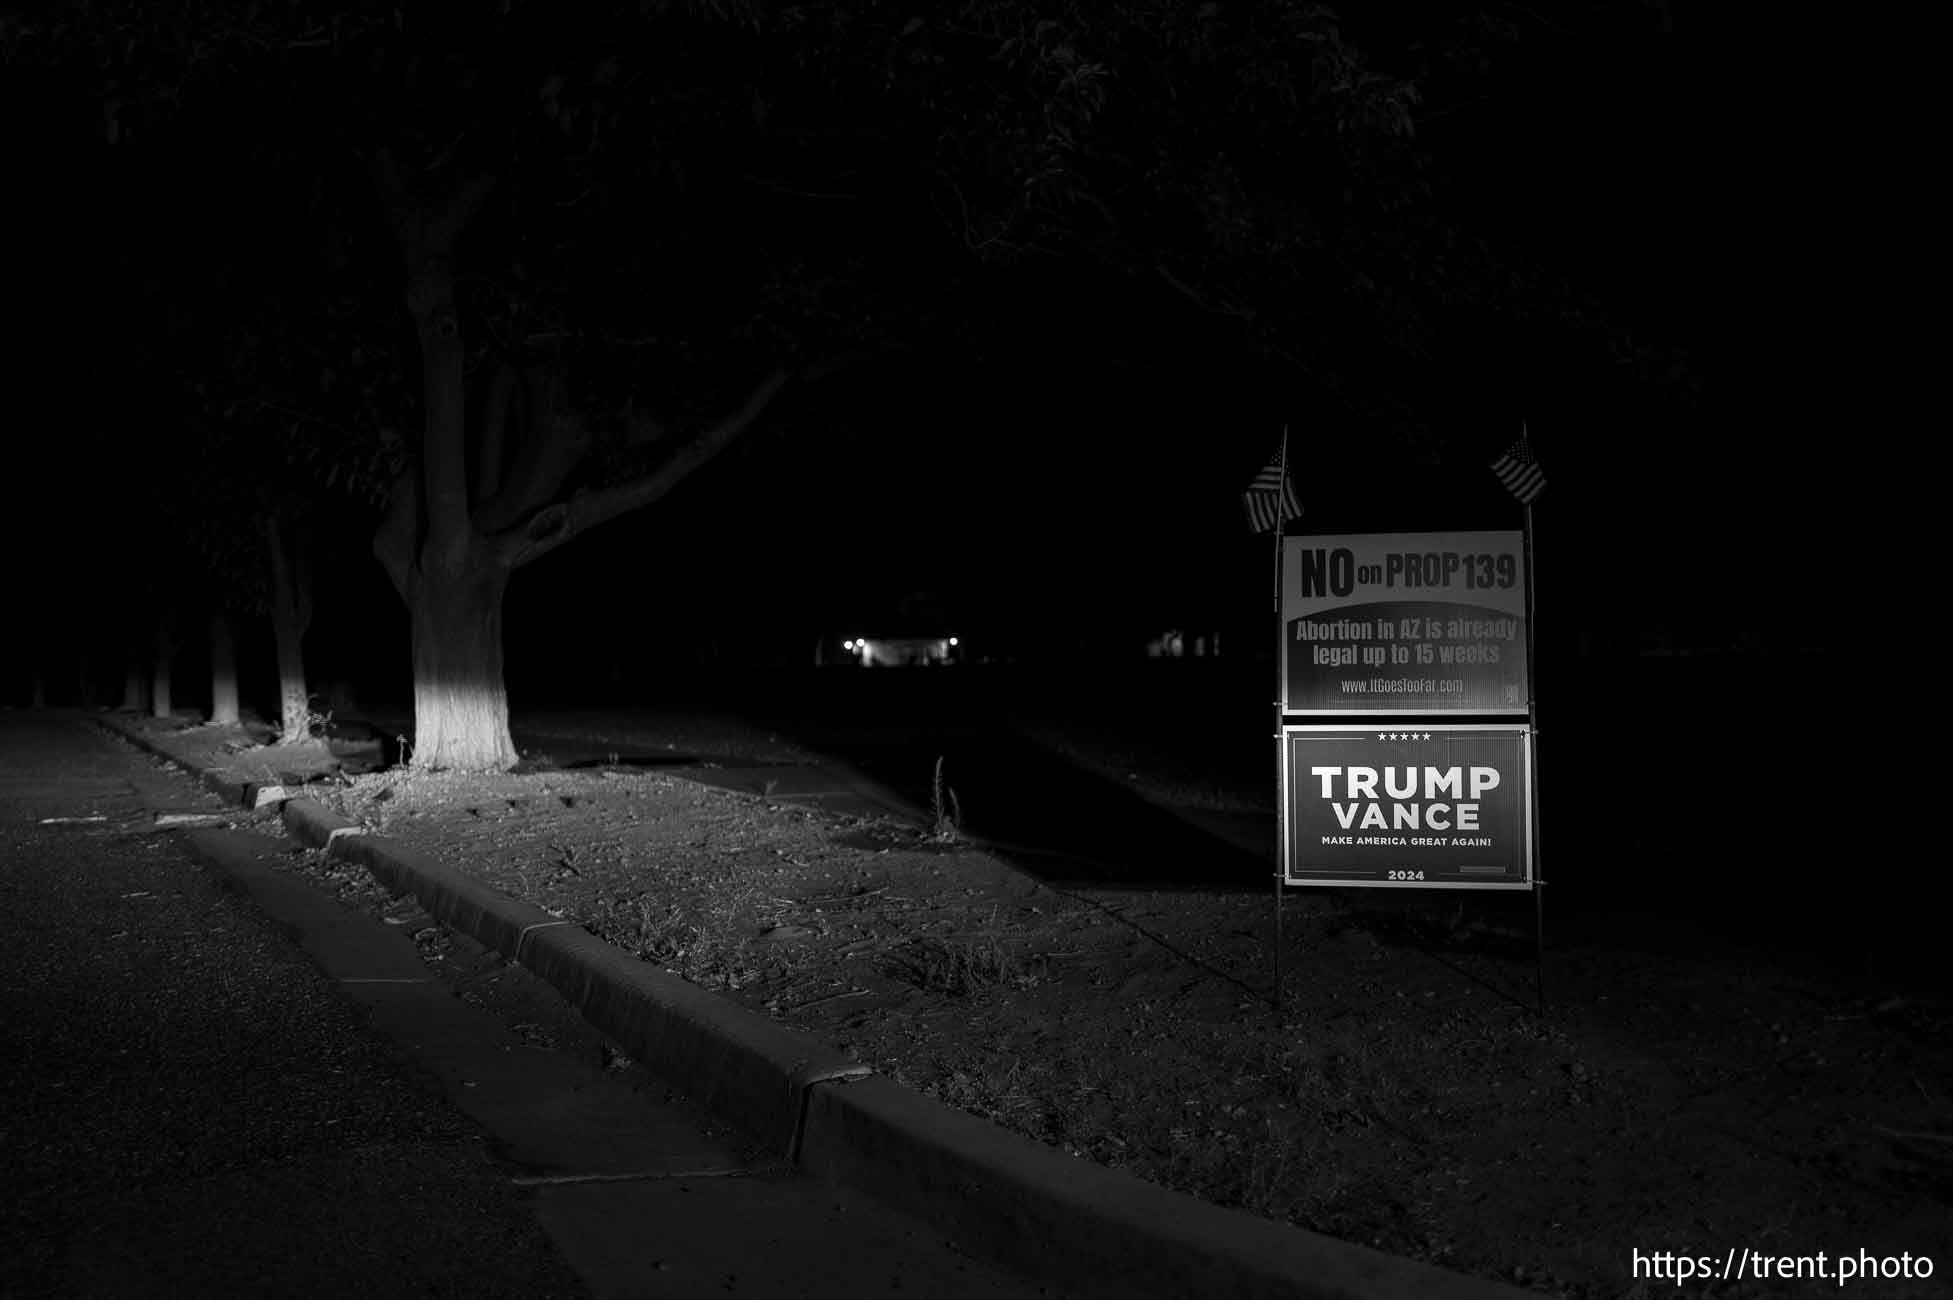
x=1281 y=526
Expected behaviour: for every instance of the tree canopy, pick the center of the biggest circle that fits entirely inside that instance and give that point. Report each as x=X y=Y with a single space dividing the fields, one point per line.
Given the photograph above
x=659 y=224
x=677 y=187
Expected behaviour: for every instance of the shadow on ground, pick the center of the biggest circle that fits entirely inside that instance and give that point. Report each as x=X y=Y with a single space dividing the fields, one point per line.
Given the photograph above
x=664 y=760
x=1054 y=818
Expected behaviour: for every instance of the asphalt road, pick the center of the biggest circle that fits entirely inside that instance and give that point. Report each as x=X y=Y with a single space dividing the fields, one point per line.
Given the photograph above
x=194 y=1105
x=190 y=1108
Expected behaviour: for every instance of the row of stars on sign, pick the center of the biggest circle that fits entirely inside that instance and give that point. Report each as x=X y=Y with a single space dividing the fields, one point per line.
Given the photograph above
x=1403 y=735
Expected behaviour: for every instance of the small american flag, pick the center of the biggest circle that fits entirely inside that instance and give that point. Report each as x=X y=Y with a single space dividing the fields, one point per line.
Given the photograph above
x=1270 y=499
x=1519 y=472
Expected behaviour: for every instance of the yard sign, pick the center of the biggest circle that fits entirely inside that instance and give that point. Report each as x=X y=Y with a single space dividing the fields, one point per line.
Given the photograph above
x=1386 y=639
x=1387 y=804
x=1404 y=623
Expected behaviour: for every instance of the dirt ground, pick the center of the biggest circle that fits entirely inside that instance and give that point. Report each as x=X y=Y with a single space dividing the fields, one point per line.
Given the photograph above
x=1406 y=1094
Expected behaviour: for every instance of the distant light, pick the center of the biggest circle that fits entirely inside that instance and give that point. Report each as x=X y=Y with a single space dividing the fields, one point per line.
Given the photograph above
x=952 y=640
x=847 y=645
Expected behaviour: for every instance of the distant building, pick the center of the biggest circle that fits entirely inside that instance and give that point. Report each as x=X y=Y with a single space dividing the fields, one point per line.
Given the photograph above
x=1175 y=643
x=901 y=651
x=913 y=632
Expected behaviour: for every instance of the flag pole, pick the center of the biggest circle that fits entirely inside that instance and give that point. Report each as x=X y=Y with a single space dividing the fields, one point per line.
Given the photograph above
x=1528 y=534
x=1518 y=469
x=1281 y=683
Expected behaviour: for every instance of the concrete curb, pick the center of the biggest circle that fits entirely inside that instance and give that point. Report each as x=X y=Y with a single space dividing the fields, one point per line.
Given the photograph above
x=1055 y=1216
x=751 y=1071
x=251 y=794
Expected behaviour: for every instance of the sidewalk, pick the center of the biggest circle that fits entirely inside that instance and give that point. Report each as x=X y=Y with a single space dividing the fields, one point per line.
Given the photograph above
x=1007 y=1197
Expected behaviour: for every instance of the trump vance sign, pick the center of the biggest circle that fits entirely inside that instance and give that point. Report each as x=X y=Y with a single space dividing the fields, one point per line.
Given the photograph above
x=1424 y=623
x=1417 y=806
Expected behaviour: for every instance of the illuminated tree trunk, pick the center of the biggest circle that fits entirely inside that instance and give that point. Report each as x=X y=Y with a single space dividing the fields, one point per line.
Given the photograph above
x=290 y=612
x=135 y=685
x=160 y=665
x=450 y=578
x=461 y=708
x=223 y=671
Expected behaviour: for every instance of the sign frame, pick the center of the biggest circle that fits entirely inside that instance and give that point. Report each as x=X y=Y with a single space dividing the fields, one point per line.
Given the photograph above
x=1523 y=732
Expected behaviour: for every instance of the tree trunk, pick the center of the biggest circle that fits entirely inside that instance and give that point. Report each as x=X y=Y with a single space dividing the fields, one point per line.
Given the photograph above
x=294 y=706
x=39 y=699
x=452 y=582
x=160 y=666
x=135 y=687
x=289 y=613
x=461 y=708
x=223 y=671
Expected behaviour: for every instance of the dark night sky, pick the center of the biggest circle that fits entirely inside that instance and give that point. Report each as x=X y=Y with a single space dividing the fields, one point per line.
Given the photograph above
x=1697 y=196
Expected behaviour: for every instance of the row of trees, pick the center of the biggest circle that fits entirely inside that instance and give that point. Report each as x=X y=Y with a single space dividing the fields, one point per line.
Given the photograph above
x=489 y=284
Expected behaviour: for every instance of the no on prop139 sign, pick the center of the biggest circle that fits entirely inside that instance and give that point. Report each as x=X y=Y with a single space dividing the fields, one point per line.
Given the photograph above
x=1386 y=805
x=1414 y=623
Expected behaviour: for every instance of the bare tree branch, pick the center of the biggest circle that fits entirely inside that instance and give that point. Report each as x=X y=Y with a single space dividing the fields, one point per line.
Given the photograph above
x=555 y=445
x=556 y=524
x=1200 y=300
